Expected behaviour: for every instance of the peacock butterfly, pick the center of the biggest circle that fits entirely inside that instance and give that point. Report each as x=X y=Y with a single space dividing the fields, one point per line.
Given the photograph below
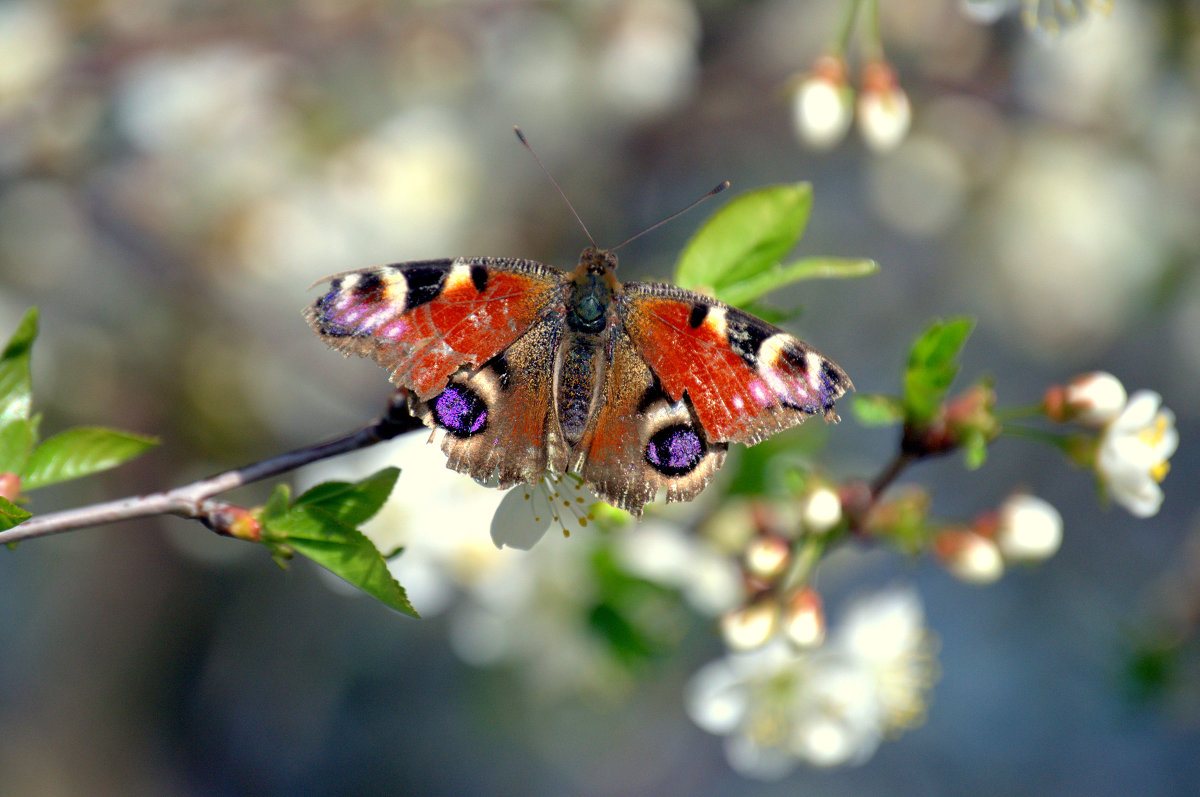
x=637 y=387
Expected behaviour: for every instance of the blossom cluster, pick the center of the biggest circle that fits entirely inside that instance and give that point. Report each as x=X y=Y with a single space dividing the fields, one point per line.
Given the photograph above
x=823 y=105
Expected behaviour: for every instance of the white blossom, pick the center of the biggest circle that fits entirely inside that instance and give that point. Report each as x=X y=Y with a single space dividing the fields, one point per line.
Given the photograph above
x=1134 y=453
x=823 y=104
x=778 y=706
x=821 y=510
x=1030 y=529
x=971 y=557
x=884 y=112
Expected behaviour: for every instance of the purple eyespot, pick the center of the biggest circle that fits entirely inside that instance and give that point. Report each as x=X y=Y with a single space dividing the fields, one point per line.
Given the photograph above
x=460 y=411
x=675 y=450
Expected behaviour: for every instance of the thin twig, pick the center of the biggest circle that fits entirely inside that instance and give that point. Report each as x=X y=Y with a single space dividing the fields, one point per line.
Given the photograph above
x=194 y=500
x=889 y=474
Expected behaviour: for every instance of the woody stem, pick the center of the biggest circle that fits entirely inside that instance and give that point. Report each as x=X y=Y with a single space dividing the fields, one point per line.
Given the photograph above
x=195 y=500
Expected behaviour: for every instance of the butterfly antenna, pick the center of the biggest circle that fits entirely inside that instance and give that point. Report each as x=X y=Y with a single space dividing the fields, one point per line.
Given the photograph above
x=554 y=182
x=711 y=193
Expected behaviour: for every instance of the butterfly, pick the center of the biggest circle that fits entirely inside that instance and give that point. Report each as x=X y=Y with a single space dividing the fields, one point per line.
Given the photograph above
x=637 y=387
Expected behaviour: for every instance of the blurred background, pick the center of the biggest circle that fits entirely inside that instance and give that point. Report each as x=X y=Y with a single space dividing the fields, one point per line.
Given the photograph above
x=174 y=175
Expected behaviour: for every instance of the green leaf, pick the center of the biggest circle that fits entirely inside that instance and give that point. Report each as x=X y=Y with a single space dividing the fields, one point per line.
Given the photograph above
x=754 y=287
x=352 y=503
x=746 y=237
x=16 y=384
x=278 y=503
x=341 y=549
x=876 y=409
x=975 y=448
x=932 y=366
x=11 y=514
x=80 y=452
x=16 y=441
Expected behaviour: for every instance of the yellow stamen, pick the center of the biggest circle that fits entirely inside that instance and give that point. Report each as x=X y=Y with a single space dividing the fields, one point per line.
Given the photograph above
x=1153 y=435
x=1160 y=471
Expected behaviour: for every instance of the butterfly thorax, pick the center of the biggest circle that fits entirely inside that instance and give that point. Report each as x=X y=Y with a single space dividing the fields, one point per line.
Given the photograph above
x=593 y=286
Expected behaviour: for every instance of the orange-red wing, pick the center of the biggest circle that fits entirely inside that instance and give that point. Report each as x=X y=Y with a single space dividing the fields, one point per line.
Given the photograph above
x=424 y=320
x=745 y=378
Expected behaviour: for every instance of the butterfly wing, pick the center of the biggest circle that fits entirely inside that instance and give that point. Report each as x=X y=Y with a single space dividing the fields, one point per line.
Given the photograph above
x=745 y=378
x=425 y=320
x=639 y=440
x=499 y=421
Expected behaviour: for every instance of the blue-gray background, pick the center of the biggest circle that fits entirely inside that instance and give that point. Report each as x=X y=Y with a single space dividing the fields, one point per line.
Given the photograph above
x=174 y=175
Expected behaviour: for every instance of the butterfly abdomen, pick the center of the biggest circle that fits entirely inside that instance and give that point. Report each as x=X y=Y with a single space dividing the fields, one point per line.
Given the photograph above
x=580 y=373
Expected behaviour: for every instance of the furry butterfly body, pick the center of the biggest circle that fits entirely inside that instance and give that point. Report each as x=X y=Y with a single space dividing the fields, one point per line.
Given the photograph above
x=637 y=387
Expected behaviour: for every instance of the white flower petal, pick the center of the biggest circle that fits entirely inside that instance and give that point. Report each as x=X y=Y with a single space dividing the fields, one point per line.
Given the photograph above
x=521 y=519
x=1140 y=411
x=882 y=626
x=825 y=742
x=749 y=758
x=716 y=698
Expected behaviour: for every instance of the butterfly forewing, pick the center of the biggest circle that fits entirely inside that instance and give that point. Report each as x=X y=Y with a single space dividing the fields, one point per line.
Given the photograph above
x=745 y=378
x=424 y=320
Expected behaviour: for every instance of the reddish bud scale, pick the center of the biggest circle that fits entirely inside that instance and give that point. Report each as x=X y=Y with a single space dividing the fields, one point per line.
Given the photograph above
x=878 y=77
x=1054 y=404
x=831 y=69
x=234 y=521
x=987 y=525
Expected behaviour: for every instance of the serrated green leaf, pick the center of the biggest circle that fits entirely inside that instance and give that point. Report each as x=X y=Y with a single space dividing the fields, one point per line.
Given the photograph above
x=278 y=503
x=353 y=503
x=747 y=236
x=342 y=550
x=876 y=409
x=80 y=452
x=752 y=288
x=16 y=384
x=16 y=441
x=11 y=514
x=932 y=366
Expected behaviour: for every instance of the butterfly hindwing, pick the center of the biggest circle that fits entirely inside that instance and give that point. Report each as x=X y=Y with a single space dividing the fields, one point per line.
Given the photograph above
x=745 y=378
x=425 y=320
x=499 y=424
x=639 y=441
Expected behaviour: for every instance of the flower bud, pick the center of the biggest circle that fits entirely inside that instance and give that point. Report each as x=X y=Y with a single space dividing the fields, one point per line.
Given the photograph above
x=820 y=510
x=823 y=104
x=752 y=625
x=1029 y=530
x=804 y=619
x=969 y=556
x=767 y=557
x=884 y=113
x=235 y=521
x=1095 y=399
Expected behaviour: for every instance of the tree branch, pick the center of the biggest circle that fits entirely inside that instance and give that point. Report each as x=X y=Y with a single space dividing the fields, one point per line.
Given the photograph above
x=195 y=500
